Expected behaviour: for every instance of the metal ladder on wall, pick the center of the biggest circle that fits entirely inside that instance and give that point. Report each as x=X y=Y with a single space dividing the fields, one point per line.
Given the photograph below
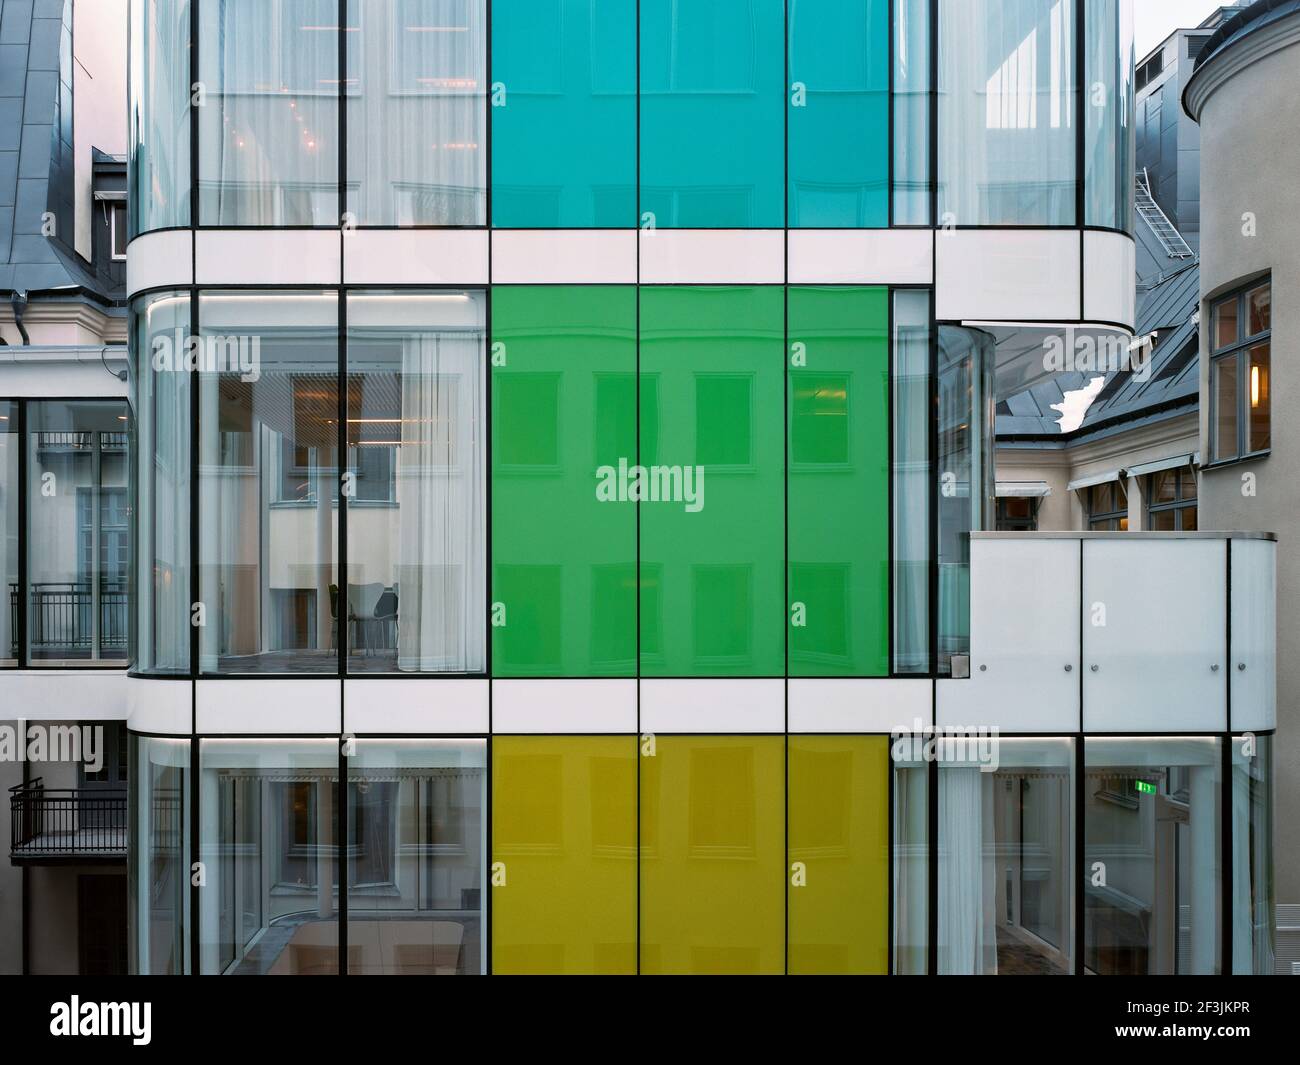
x=1166 y=232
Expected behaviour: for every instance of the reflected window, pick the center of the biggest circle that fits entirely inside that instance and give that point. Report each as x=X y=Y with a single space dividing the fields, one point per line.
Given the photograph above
x=911 y=482
x=160 y=118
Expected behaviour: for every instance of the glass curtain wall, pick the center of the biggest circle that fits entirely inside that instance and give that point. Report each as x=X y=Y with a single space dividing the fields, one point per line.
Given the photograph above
x=416 y=850
x=415 y=485
x=416 y=99
x=161 y=400
x=1109 y=126
x=78 y=533
x=158 y=869
x=838 y=130
x=913 y=493
x=1006 y=858
x=1152 y=819
x=10 y=458
x=911 y=854
x=1007 y=153
x=269 y=123
x=268 y=477
x=160 y=115
x=1254 y=905
x=564 y=127
x=911 y=104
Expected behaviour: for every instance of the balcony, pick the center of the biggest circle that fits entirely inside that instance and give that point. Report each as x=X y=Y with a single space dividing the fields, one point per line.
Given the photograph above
x=50 y=826
x=62 y=621
x=1119 y=633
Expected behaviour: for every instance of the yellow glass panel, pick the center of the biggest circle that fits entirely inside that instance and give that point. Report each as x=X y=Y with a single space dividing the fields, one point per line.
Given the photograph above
x=712 y=855
x=564 y=825
x=839 y=831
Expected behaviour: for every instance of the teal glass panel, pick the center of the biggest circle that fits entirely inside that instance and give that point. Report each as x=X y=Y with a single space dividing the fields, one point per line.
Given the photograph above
x=712 y=522
x=563 y=410
x=839 y=113
x=712 y=121
x=564 y=113
x=838 y=399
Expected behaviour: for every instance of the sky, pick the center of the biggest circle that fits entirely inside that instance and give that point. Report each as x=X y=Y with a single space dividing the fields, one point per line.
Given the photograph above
x=1154 y=20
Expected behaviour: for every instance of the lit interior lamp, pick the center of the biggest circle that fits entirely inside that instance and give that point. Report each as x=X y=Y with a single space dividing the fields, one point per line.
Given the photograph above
x=1254 y=387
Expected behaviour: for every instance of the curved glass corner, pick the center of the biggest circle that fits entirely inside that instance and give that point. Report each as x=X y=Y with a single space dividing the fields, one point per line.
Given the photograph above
x=160 y=470
x=159 y=170
x=1253 y=897
x=1109 y=112
x=158 y=868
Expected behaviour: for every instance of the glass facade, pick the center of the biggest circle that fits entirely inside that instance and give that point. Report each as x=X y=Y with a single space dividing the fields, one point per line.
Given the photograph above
x=160 y=115
x=10 y=463
x=1109 y=127
x=1254 y=908
x=158 y=869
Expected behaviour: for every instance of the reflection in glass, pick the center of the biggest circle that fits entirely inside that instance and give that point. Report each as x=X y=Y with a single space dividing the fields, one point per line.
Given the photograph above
x=838 y=482
x=911 y=481
x=911 y=47
x=1223 y=374
x=160 y=115
x=564 y=824
x=713 y=420
x=269 y=125
x=268 y=826
x=1108 y=182
x=712 y=816
x=839 y=829
x=838 y=141
x=1007 y=112
x=79 y=532
x=417 y=91
x=966 y=420
x=1152 y=820
x=158 y=869
x=712 y=114
x=10 y=445
x=268 y=419
x=415 y=596
x=911 y=851
x=1258 y=363
x=564 y=146
x=1253 y=894
x=1006 y=854
x=161 y=470
x=416 y=839
x=564 y=410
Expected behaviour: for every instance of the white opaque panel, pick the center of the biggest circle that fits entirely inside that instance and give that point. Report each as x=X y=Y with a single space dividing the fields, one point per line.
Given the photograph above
x=1007 y=274
x=713 y=705
x=160 y=260
x=415 y=705
x=57 y=373
x=267 y=706
x=1109 y=279
x=267 y=257
x=861 y=256
x=1254 y=635
x=564 y=706
x=415 y=257
x=712 y=256
x=564 y=257
x=853 y=704
x=1024 y=639
x=1154 y=635
x=59 y=695
x=164 y=706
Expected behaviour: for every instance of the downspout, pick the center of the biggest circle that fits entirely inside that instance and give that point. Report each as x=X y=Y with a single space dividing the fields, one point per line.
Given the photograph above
x=18 y=301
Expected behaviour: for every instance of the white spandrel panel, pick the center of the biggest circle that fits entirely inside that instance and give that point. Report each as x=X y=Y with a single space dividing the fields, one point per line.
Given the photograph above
x=1024 y=639
x=1154 y=635
x=1254 y=635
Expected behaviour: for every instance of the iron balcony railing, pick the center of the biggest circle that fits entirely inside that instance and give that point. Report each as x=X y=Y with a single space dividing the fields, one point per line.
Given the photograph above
x=66 y=822
x=61 y=621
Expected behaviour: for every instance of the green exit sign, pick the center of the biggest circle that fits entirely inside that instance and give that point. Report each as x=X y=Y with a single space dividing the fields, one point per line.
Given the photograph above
x=1144 y=787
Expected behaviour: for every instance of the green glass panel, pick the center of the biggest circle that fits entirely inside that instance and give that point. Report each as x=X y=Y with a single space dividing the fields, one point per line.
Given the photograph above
x=563 y=406
x=839 y=835
x=564 y=828
x=712 y=814
x=839 y=481
x=712 y=525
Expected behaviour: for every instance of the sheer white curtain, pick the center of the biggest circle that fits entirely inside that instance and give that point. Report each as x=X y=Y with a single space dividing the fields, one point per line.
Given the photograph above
x=441 y=562
x=967 y=870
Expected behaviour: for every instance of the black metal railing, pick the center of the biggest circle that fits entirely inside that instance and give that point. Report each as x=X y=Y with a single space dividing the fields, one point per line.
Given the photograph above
x=66 y=822
x=60 y=622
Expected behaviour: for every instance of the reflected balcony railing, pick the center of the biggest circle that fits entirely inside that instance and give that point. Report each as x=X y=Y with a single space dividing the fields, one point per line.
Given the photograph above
x=62 y=623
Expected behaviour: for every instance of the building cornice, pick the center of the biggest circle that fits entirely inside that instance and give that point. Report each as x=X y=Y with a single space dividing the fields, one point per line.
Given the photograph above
x=1261 y=42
